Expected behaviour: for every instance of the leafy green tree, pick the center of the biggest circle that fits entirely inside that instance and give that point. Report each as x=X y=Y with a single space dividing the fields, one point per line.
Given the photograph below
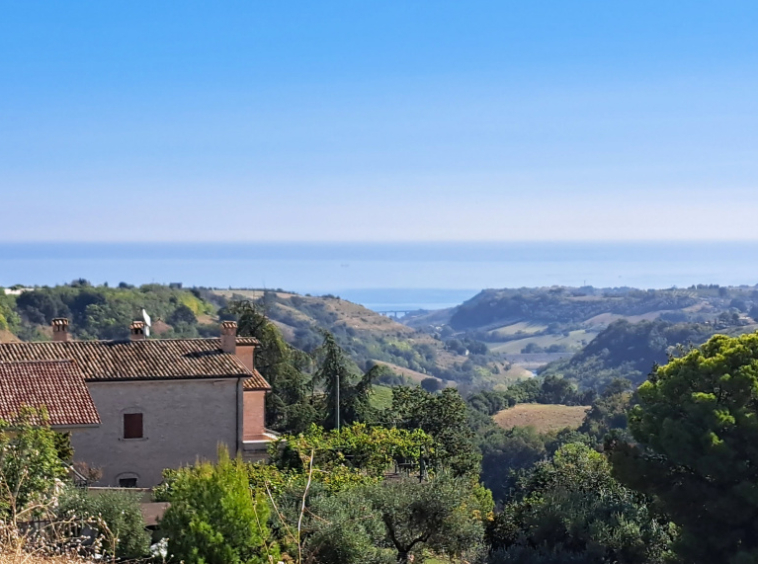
x=29 y=464
x=334 y=374
x=505 y=452
x=214 y=518
x=288 y=405
x=571 y=509
x=697 y=430
x=108 y=320
x=345 y=530
x=115 y=515
x=608 y=413
x=444 y=515
x=445 y=417
x=182 y=315
x=432 y=385
x=370 y=450
x=9 y=319
x=41 y=306
x=557 y=390
x=346 y=400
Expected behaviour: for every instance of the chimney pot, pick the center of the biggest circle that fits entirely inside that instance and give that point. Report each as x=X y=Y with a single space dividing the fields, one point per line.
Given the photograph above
x=137 y=331
x=60 y=329
x=229 y=337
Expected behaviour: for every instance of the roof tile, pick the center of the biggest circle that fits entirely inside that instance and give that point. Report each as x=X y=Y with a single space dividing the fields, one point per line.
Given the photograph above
x=57 y=385
x=150 y=359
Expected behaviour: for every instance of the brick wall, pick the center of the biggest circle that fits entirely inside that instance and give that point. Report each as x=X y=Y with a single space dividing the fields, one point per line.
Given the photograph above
x=254 y=419
x=182 y=421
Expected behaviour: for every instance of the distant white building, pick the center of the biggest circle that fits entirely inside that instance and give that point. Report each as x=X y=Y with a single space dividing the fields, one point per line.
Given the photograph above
x=16 y=292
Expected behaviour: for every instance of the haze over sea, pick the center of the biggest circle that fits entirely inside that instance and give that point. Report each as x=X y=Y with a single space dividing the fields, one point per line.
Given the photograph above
x=395 y=276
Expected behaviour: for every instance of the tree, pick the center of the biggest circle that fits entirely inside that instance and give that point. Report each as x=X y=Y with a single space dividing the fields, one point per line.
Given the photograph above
x=445 y=417
x=29 y=464
x=214 y=518
x=345 y=532
x=572 y=510
x=288 y=405
x=346 y=401
x=696 y=425
x=444 y=515
x=41 y=306
x=608 y=412
x=505 y=452
x=334 y=374
x=370 y=450
x=432 y=385
x=182 y=315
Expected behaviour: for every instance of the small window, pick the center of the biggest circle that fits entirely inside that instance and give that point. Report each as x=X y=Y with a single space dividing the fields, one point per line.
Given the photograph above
x=132 y=425
x=127 y=483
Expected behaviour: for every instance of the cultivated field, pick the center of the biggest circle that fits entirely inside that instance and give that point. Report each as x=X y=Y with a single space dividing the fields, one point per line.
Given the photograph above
x=543 y=417
x=574 y=341
x=522 y=327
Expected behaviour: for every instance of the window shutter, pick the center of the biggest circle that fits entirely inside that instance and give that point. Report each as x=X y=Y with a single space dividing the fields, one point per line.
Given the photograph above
x=132 y=425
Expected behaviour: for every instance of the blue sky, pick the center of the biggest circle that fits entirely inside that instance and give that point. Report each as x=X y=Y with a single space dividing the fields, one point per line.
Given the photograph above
x=378 y=121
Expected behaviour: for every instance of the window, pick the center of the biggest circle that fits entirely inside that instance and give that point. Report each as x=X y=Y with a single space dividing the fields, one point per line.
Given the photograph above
x=132 y=425
x=127 y=483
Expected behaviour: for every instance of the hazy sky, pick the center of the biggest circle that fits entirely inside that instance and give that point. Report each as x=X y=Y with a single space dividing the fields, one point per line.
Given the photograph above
x=360 y=120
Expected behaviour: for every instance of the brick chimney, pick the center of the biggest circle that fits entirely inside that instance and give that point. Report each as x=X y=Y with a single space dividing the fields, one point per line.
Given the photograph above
x=60 y=329
x=229 y=337
x=137 y=331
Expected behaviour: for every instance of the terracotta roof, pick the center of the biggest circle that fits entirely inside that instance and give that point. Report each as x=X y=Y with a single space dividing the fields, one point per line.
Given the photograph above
x=256 y=382
x=56 y=384
x=149 y=359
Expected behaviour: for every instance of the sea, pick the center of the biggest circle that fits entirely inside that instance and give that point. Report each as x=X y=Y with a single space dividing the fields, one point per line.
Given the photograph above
x=385 y=277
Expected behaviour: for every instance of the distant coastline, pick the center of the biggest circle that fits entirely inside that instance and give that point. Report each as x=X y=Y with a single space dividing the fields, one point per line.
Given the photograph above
x=385 y=276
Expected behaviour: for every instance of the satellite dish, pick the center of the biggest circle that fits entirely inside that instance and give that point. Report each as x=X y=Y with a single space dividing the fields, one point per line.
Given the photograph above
x=148 y=323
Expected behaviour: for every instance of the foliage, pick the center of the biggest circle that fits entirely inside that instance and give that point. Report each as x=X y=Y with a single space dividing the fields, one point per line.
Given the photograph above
x=608 y=413
x=363 y=346
x=444 y=515
x=345 y=400
x=395 y=521
x=432 y=385
x=505 y=452
x=697 y=427
x=444 y=416
x=214 y=518
x=9 y=319
x=115 y=514
x=572 y=510
x=552 y=389
x=63 y=446
x=627 y=350
x=563 y=305
x=29 y=464
x=369 y=451
x=288 y=405
x=344 y=529
x=101 y=312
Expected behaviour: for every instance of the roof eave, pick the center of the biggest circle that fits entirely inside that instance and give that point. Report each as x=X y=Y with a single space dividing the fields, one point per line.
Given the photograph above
x=168 y=378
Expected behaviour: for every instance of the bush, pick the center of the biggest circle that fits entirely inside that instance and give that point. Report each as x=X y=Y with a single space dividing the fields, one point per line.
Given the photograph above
x=116 y=516
x=432 y=385
x=214 y=518
x=29 y=465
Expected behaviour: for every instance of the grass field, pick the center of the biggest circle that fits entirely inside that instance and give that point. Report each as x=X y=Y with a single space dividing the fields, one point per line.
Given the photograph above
x=522 y=327
x=541 y=416
x=382 y=397
x=573 y=341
